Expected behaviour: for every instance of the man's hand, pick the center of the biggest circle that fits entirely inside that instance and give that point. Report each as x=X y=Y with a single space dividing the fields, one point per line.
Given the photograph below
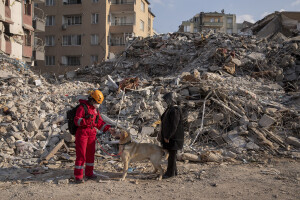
x=166 y=140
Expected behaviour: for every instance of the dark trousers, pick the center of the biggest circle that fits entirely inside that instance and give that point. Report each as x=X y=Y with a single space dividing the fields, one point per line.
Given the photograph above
x=172 y=168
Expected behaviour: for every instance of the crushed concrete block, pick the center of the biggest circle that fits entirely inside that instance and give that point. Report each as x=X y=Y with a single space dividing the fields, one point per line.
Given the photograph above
x=266 y=121
x=147 y=130
x=31 y=126
x=257 y=56
x=252 y=146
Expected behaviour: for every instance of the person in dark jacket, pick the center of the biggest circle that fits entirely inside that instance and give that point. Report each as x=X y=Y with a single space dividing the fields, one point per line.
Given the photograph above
x=86 y=135
x=172 y=134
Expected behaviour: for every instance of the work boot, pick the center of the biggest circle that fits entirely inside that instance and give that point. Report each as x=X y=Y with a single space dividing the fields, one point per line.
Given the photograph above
x=93 y=177
x=79 y=180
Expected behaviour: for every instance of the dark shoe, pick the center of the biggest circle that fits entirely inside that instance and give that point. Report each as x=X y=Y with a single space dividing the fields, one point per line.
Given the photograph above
x=166 y=176
x=79 y=180
x=93 y=177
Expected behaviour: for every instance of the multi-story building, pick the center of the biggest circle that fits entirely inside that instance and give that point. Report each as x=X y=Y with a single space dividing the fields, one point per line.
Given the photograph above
x=17 y=31
x=81 y=33
x=218 y=22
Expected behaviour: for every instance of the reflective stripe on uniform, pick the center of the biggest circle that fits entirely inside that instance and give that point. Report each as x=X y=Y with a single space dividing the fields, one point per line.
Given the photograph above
x=78 y=122
x=103 y=127
x=89 y=164
x=79 y=167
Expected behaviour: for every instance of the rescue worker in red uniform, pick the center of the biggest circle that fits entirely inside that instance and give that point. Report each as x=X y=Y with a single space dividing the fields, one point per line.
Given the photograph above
x=86 y=135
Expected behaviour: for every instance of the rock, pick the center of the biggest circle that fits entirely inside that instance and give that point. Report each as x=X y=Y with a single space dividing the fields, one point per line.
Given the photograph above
x=58 y=119
x=3 y=131
x=53 y=141
x=40 y=136
x=159 y=107
x=14 y=128
x=194 y=91
x=293 y=141
x=17 y=135
x=218 y=117
x=256 y=56
x=189 y=157
x=22 y=126
x=266 y=121
x=252 y=146
x=11 y=142
x=68 y=137
x=236 y=61
x=31 y=126
x=147 y=130
x=63 y=181
x=64 y=127
x=185 y=92
x=71 y=74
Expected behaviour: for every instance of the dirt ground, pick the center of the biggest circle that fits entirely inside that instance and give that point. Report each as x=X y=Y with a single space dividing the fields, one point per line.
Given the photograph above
x=276 y=178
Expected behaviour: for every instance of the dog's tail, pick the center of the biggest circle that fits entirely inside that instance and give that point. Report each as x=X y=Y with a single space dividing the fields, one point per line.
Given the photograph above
x=166 y=154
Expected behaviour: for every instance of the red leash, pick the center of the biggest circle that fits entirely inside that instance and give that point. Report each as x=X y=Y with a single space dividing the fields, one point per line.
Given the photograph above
x=106 y=151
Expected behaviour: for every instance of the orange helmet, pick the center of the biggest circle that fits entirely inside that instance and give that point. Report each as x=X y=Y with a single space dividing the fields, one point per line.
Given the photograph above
x=98 y=96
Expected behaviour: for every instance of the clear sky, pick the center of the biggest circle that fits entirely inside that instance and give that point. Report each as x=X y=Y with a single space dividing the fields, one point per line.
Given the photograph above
x=170 y=13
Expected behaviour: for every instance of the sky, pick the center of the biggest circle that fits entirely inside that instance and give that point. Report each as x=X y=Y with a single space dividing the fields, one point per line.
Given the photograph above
x=170 y=13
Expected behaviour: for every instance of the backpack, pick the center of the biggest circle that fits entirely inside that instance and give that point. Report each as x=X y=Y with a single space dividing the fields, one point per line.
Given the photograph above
x=71 y=115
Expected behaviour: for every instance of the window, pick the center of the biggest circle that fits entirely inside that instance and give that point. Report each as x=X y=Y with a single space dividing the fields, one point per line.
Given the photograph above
x=143 y=6
x=229 y=20
x=70 y=60
x=212 y=19
x=50 y=40
x=66 y=2
x=94 y=39
x=219 y=20
x=142 y=25
x=187 y=28
x=73 y=20
x=49 y=2
x=50 y=20
x=71 y=40
x=27 y=38
x=95 y=18
x=27 y=9
x=95 y=1
x=50 y=60
x=94 y=59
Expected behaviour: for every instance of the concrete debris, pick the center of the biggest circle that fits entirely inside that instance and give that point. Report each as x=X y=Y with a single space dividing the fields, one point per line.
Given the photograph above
x=238 y=94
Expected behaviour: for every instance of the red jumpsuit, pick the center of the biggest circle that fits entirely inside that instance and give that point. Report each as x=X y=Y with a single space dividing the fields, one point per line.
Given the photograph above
x=85 y=139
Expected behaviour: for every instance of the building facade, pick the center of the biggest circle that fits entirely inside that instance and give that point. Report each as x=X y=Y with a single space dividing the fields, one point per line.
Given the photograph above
x=17 y=30
x=218 y=22
x=82 y=33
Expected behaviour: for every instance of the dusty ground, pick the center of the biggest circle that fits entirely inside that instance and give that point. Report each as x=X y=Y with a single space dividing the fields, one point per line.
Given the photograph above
x=273 y=179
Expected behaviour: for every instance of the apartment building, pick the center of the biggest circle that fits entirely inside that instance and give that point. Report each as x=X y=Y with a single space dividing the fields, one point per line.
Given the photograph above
x=82 y=33
x=17 y=30
x=218 y=22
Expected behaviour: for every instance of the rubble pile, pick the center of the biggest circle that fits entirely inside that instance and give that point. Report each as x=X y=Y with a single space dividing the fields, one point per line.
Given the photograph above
x=33 y=114
x=239 y=96
x=250 y=87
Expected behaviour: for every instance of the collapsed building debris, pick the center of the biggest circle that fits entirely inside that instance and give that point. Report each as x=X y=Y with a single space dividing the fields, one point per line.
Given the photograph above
x=239 y=95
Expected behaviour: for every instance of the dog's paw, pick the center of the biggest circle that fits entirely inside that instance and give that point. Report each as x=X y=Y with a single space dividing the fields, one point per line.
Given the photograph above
x=122 y=179
x=159 y=178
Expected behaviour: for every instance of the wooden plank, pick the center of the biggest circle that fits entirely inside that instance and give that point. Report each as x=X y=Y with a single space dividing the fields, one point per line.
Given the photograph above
x=54 y=150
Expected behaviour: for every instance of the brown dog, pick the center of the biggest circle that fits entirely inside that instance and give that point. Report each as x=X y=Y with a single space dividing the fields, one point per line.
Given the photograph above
x=132 y=151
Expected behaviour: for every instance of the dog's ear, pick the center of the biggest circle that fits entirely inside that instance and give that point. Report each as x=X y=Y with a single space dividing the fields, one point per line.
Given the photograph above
x=125 y=134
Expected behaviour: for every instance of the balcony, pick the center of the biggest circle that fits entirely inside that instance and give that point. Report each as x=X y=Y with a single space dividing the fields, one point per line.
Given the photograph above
x=121 y=8
x=38 y=49
x=121 y=28
x=213 y=24
x=39 y=20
